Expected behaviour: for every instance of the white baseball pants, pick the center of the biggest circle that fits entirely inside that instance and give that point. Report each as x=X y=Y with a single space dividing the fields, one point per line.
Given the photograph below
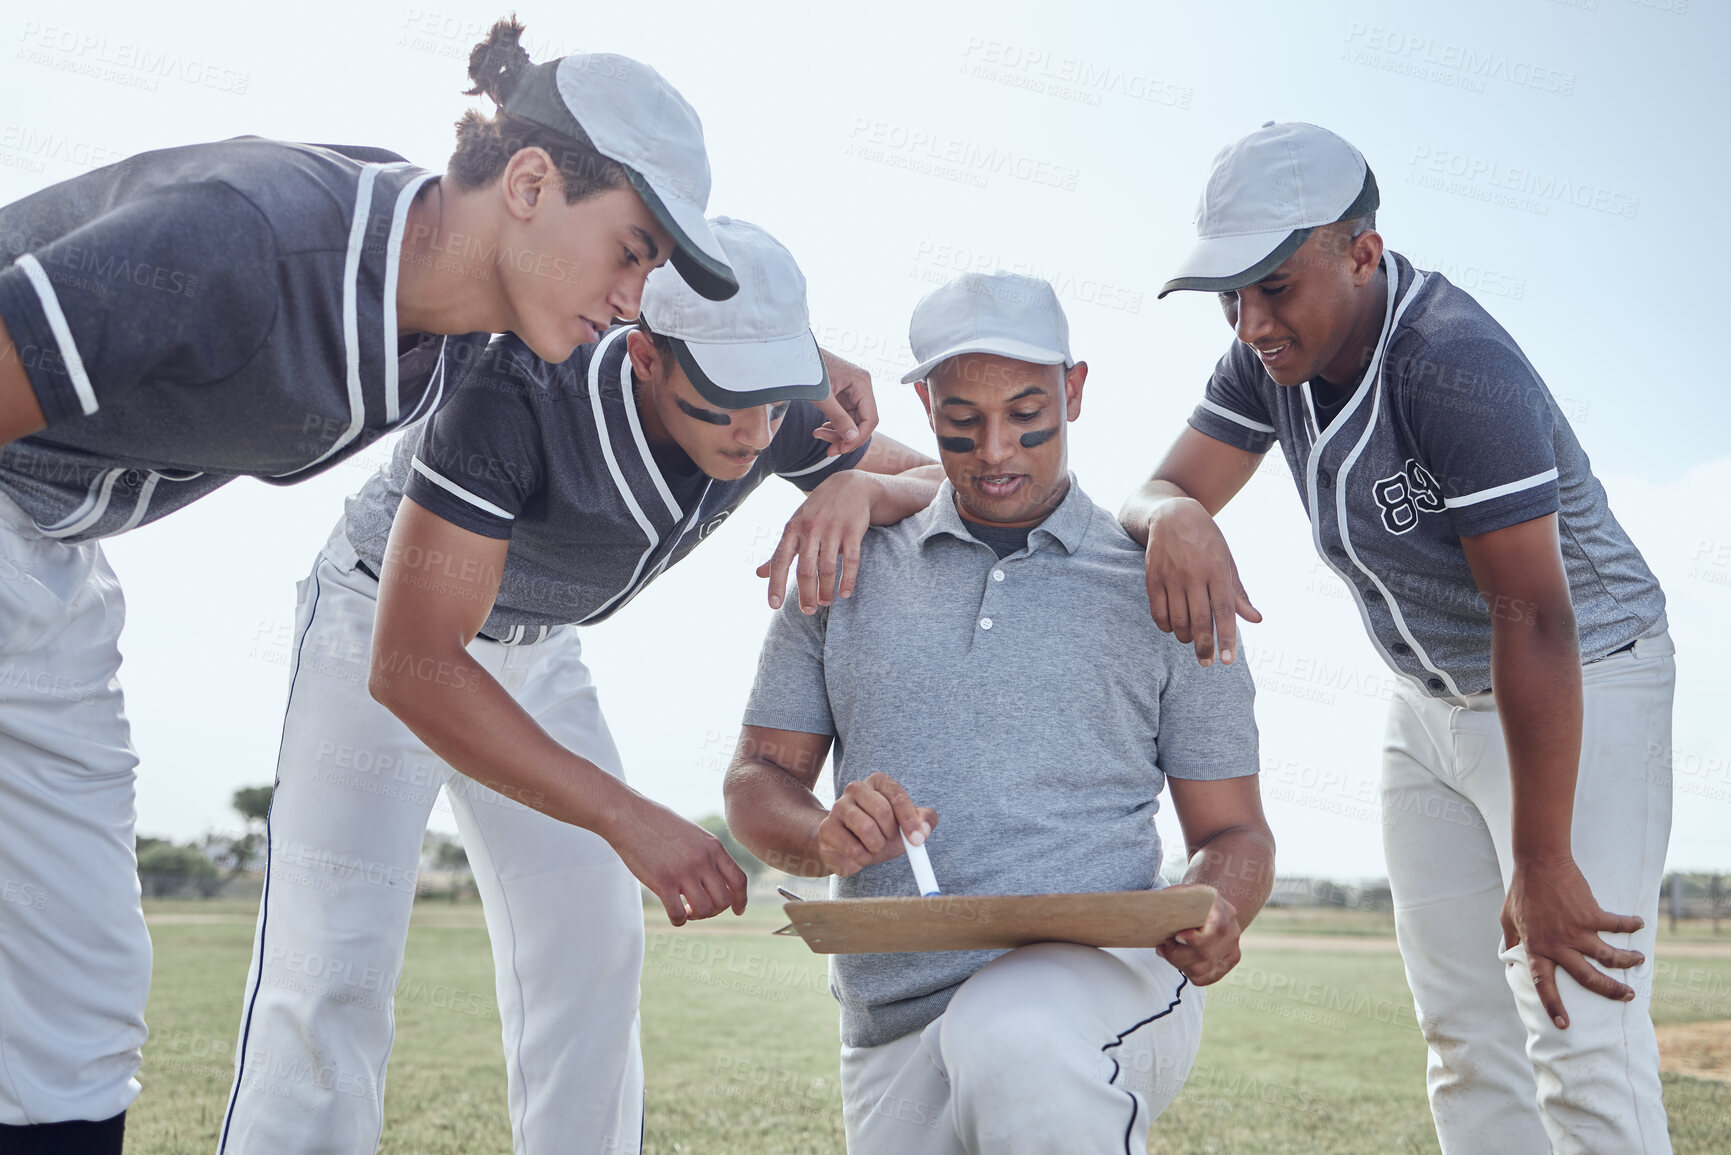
x=74 y=952
x=1051 y=1047
x=1501 y=1076
x=354 y=791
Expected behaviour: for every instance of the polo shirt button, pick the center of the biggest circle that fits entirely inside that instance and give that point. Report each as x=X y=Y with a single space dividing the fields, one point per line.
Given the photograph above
x=1337 y=552
x=1436 y=684
x=1323 y=479
x=985 y=623
x=997 y=575
x=1401 y=648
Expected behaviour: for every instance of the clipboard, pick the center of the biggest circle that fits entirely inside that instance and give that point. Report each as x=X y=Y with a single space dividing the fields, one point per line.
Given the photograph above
x=1141 y=918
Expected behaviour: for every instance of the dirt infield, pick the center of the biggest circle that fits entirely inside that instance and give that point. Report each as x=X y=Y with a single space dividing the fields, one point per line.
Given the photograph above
x=1699 y=1050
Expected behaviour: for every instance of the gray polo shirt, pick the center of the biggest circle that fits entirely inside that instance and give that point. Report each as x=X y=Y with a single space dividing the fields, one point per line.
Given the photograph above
x=1451 y=433
x=1031 y=701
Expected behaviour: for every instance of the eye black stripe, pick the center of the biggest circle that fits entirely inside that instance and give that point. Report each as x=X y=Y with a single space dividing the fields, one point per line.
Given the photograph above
x=708 y=415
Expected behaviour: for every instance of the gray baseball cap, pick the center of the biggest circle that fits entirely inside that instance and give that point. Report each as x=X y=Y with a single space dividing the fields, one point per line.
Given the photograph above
x=1009 y=314
x=1264 y=196
x=627 y=112
x=755 y=348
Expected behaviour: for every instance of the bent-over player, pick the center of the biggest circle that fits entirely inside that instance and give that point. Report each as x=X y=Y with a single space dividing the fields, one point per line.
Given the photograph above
x=1448 y=492
x=541 y=497
x=258 y=308
x=999 y=670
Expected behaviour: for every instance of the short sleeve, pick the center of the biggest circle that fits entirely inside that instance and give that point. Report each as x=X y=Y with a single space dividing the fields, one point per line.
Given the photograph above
x=1484 y=425
x=798 y=456
x=480 y=457
x=1207 y=718
x=1232 y=408
x=178 y=285
x=790 y=691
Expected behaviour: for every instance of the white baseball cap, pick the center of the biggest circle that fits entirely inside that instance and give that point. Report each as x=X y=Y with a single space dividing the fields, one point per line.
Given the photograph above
x=754 y=348
x=1009 y=314
x=1265 y=195
x=628 y=113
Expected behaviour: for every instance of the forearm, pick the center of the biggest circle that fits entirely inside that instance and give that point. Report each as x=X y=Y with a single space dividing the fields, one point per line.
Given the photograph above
x=20 y=412
x=1140 y=508
x=1536 y=671
x=900 y=496
x=838 y=366
x=462 y=713
x=774 y=815
x=1239 y=863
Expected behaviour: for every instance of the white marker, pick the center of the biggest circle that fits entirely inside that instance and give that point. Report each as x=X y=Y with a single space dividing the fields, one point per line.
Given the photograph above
x=922 y=864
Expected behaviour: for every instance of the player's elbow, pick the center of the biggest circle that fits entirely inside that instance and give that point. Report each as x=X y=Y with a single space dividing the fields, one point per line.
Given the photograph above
x=391 y=673
x=743 y=800
x=1539 y=620
x=382 y=687
x=737 y=812
x=744 y=809
x=731 y=786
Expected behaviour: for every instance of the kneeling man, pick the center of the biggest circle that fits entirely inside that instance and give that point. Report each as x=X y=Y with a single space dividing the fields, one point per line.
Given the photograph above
x=1000 y=673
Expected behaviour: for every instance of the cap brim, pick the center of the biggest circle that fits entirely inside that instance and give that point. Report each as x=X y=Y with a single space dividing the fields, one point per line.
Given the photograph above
x=1227 y=264
x=1015 y=350
x=740 y=374
x=696 y=253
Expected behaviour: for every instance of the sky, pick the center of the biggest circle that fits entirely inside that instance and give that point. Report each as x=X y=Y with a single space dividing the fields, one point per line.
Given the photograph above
x=1562 y=160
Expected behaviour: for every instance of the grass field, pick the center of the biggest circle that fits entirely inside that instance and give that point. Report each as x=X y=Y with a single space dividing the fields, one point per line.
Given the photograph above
x=1307 y=1048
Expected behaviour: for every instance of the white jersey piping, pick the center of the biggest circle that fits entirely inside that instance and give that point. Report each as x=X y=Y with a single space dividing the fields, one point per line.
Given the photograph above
x=143 y=502
x=1501 y=490
x=456 y=490
x=91 y=511
x=619 y=481
x=393 y=255
x=627 y=384
x=351 y=318
x=435 y=387
x=38 y=278
x=1373 y=377
x=824 y=464
x=1216 y=407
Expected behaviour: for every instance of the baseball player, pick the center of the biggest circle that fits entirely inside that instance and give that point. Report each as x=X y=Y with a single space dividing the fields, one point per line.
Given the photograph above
x=252 y=308
x=1448 y=492
x=540 y=498
x=999 y=672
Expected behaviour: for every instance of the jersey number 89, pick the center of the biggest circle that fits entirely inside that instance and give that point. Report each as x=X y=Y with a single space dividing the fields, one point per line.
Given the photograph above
x=1405 y=495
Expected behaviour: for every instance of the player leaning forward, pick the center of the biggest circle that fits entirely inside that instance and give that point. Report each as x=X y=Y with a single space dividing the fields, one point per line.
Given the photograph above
x=253 y=308
x=1449 y=493
x=993 y=671
x=541 y=497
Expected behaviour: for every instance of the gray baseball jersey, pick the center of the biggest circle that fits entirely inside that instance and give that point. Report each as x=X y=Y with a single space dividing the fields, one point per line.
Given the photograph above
x=197 y=314
x=554 y=458
x=1452 y=434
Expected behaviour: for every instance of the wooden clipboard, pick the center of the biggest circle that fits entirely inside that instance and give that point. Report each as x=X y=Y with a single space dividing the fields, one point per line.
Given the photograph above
x=996 y=921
